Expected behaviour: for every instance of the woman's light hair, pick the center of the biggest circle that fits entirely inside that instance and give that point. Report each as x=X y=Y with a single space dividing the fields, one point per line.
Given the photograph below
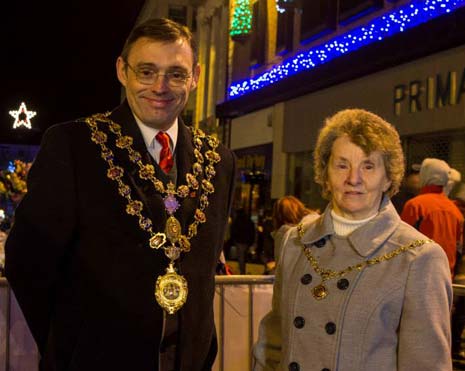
x=368 y=131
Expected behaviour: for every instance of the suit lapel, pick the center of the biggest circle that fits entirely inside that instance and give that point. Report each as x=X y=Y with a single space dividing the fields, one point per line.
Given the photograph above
x=184 y=161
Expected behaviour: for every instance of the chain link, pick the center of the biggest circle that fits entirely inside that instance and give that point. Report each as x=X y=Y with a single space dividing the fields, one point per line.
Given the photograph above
x=328 y=274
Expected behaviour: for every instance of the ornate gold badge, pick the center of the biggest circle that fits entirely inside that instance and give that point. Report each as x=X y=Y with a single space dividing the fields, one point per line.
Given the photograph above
x=171 y=290
x=319 y=292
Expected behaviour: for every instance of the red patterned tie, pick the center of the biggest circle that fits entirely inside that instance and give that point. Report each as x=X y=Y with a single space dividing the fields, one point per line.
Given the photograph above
x=166 y=157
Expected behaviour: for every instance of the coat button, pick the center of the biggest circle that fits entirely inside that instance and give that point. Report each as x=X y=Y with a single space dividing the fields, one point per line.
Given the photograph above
x=320 y=243
x=299 y=322
x=306 y=279
x=294 y=366
x=330 y=328
x=342 y=284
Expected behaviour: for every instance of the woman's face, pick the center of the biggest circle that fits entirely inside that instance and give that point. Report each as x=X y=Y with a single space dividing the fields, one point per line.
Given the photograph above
x=356 y=181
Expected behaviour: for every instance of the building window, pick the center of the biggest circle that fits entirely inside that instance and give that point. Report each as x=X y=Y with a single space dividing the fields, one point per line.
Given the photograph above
x=447 y=146
x=285 y=32
x=178 y=13
x=194 y=20
x=258 y=33
x=318 y=17
x=300 y=182
x=351 y=10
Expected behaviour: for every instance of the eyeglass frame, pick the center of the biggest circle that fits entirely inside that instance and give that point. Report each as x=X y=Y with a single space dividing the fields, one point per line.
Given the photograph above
x=156 y=75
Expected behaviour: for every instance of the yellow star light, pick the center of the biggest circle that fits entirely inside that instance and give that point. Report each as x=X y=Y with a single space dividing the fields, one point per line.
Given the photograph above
x=22 y=116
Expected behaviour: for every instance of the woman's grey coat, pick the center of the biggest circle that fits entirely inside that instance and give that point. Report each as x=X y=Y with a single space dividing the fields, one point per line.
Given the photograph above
x=393 y=316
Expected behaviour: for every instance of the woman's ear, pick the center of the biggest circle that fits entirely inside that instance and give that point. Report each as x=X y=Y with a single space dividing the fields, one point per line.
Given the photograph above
x=387 y=185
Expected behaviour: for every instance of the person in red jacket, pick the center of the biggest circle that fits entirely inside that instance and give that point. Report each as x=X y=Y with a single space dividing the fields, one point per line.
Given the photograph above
x=432 y=212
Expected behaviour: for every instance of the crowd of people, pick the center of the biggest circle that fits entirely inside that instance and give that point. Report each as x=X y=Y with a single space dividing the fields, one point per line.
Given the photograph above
x=260 y=242
x=125 y=262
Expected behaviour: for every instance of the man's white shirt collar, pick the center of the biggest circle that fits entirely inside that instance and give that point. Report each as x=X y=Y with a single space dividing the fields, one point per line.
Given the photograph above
x=149 y=133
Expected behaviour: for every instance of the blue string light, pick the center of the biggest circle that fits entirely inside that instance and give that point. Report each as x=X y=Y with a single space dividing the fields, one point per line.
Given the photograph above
x=11 y=167
x=399 y=20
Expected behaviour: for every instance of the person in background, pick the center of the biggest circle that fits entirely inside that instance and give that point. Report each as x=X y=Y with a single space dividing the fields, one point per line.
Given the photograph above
x=222 y=267
x=242 y=236
x=288 y=211
x=358 y=289
x=410 y=188
x=454 y=178
x=264 y=242
x=453 y=191
x=113 y=252
x=433 y=213
x=458 y=313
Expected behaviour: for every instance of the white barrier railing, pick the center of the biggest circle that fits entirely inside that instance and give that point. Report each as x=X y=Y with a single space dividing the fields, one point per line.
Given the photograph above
x=18 y=350
x=240 y=303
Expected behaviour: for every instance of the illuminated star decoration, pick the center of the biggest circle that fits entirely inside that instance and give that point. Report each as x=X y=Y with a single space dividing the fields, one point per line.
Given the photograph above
x=22 y=116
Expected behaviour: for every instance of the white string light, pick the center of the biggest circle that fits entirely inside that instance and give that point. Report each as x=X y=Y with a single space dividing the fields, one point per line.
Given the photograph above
x=19 y=114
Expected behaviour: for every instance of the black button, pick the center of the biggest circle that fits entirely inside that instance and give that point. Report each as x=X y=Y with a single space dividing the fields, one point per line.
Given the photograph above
x=299 y=322
x=306 y=279
x=320 y=243
x=330 y=328
x=325 y=369
x=342 y=284
x=294 y=366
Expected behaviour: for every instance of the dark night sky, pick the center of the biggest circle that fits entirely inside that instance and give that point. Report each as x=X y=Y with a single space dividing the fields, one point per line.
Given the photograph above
x=59 y=58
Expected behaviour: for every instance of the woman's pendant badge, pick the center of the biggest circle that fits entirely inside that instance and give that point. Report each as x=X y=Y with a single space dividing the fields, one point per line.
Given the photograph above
x=320 y=292
x=171 y=290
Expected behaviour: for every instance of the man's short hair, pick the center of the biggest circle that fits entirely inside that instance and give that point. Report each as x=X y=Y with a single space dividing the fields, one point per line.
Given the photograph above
x=163 y=30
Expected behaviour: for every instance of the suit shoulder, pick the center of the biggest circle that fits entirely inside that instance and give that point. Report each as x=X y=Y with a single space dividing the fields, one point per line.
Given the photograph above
x=227 y=155
x=407 y=234
x=69 y=127
x=65 y=137
x=224 y=149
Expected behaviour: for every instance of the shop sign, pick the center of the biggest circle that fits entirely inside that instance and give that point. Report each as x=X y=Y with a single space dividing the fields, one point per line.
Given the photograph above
x=430 y=93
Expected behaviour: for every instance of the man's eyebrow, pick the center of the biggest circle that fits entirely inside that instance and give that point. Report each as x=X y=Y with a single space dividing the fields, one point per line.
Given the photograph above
x=155 y=67
x=146 y=64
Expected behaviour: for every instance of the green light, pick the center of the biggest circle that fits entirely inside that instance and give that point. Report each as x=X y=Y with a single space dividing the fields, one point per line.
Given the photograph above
x=241 y=23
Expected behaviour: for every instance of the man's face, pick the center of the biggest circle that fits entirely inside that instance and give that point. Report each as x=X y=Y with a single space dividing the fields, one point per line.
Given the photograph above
x=159 y=103
x=412 y=183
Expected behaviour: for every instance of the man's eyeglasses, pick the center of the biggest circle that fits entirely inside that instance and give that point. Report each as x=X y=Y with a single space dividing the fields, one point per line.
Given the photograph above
x=148 y=76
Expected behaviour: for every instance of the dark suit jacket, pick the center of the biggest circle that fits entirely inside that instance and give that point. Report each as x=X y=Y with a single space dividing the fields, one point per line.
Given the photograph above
x=82 y=270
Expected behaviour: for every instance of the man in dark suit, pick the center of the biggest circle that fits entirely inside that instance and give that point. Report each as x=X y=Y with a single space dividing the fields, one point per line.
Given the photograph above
x=113 y=251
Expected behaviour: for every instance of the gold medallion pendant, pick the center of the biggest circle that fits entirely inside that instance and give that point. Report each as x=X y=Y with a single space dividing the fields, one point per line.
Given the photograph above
x=319 y=292
x=171 y=290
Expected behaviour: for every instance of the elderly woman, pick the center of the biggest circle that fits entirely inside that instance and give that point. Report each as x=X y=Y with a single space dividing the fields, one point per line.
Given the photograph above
x=358 y=289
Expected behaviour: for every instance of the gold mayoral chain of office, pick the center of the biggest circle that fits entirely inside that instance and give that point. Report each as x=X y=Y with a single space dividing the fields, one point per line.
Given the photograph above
x=171 y=288
x=320 y=291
